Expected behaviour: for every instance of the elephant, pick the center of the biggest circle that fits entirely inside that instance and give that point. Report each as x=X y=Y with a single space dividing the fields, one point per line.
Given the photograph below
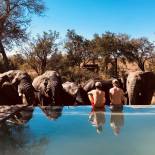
x=106 y=85
x=49 y=86
x=16 y=88
x=52 y=112
x=70 y=90
x=140 y=87
x=23 y=116
x=9 y=95
x=74 y=94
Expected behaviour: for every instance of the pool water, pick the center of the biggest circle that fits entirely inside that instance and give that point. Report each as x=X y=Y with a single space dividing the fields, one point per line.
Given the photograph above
x=78 y=131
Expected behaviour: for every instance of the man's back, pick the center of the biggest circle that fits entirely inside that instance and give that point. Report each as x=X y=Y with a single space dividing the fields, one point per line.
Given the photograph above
x=116 y=96
x=98 y=98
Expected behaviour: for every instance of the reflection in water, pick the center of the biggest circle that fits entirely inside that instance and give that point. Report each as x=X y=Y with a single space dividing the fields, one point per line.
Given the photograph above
x=52 y=112
x=74 y=135
x=97 y=119
x=22 y=117
x=17 y=140
x=116 y=120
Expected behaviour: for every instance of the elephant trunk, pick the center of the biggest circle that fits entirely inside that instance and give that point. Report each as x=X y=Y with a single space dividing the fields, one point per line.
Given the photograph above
x=131 y=92
x=54 y=90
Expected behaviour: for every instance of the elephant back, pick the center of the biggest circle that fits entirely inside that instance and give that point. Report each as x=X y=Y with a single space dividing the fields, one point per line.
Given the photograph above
x=8 y=76
x=70 y=87
x=89 y=85
x=40 y=81
x=52 y=75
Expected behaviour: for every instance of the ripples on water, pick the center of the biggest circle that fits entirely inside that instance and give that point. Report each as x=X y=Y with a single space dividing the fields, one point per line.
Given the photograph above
x=78 y=130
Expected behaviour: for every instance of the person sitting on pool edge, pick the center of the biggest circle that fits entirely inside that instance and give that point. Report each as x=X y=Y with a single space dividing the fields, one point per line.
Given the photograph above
x=97 y=96
x=116 y=96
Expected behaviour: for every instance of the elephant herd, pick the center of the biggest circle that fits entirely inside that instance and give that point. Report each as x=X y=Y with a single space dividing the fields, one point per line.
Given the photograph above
x=17 y=87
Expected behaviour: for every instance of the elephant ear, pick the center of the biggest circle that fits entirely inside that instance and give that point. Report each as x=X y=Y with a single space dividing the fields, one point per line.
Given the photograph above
x=19 y=76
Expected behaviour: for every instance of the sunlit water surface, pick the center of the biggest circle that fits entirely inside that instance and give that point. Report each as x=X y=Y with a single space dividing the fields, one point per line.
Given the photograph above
x=75 y=132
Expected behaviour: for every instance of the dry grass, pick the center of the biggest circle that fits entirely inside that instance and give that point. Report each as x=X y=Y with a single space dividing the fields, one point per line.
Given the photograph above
x=129 y=67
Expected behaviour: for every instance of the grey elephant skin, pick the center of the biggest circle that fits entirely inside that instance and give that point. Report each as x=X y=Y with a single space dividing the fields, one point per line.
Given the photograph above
x=49 y=86
x=52 y=112
x=140 y=87
x=16 y=88
x=74 y=94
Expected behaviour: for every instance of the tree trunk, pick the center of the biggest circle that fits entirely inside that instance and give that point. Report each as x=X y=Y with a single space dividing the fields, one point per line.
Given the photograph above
x=5 y=59
x=142 y=65
x=115 y=67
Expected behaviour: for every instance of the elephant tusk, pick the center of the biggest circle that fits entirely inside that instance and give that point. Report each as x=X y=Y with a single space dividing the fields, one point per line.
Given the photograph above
x=24 y=99
x=20 y=94
x=140 y=94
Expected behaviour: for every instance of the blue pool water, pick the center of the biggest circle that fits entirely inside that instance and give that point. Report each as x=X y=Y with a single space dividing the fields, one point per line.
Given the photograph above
x=78 y=131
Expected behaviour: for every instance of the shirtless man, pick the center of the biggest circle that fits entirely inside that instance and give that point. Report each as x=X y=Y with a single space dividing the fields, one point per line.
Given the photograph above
x=97 y=96
x=116 y=96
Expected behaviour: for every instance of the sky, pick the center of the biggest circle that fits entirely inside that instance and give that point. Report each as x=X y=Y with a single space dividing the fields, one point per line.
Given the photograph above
x=87 y=17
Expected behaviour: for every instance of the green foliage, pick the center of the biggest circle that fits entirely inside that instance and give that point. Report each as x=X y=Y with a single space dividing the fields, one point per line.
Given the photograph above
x=77 y=74
x=17 y=60
x=40 y=49
x=79 y=50
x=110 y=47
x=107 y=51
x=15 y=17
x=141 y=50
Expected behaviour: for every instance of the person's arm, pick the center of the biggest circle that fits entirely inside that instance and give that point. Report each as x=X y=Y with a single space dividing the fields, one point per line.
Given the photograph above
x=104 y=98
x=123 y=97
x=90 y=96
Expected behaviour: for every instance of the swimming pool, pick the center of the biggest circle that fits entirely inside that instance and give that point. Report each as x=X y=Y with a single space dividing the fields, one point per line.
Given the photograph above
x=78 y=131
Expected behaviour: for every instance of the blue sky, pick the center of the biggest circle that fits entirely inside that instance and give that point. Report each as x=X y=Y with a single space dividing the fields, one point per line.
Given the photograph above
x=134 y=17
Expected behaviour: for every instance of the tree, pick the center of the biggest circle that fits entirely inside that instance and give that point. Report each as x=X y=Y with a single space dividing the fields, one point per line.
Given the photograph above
x=78 y=49
x=17 y=60
x=141 y=50
x=57 y=62
x=40 y=50
x=15 y=17
x=110 y=47
x=74 y=47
